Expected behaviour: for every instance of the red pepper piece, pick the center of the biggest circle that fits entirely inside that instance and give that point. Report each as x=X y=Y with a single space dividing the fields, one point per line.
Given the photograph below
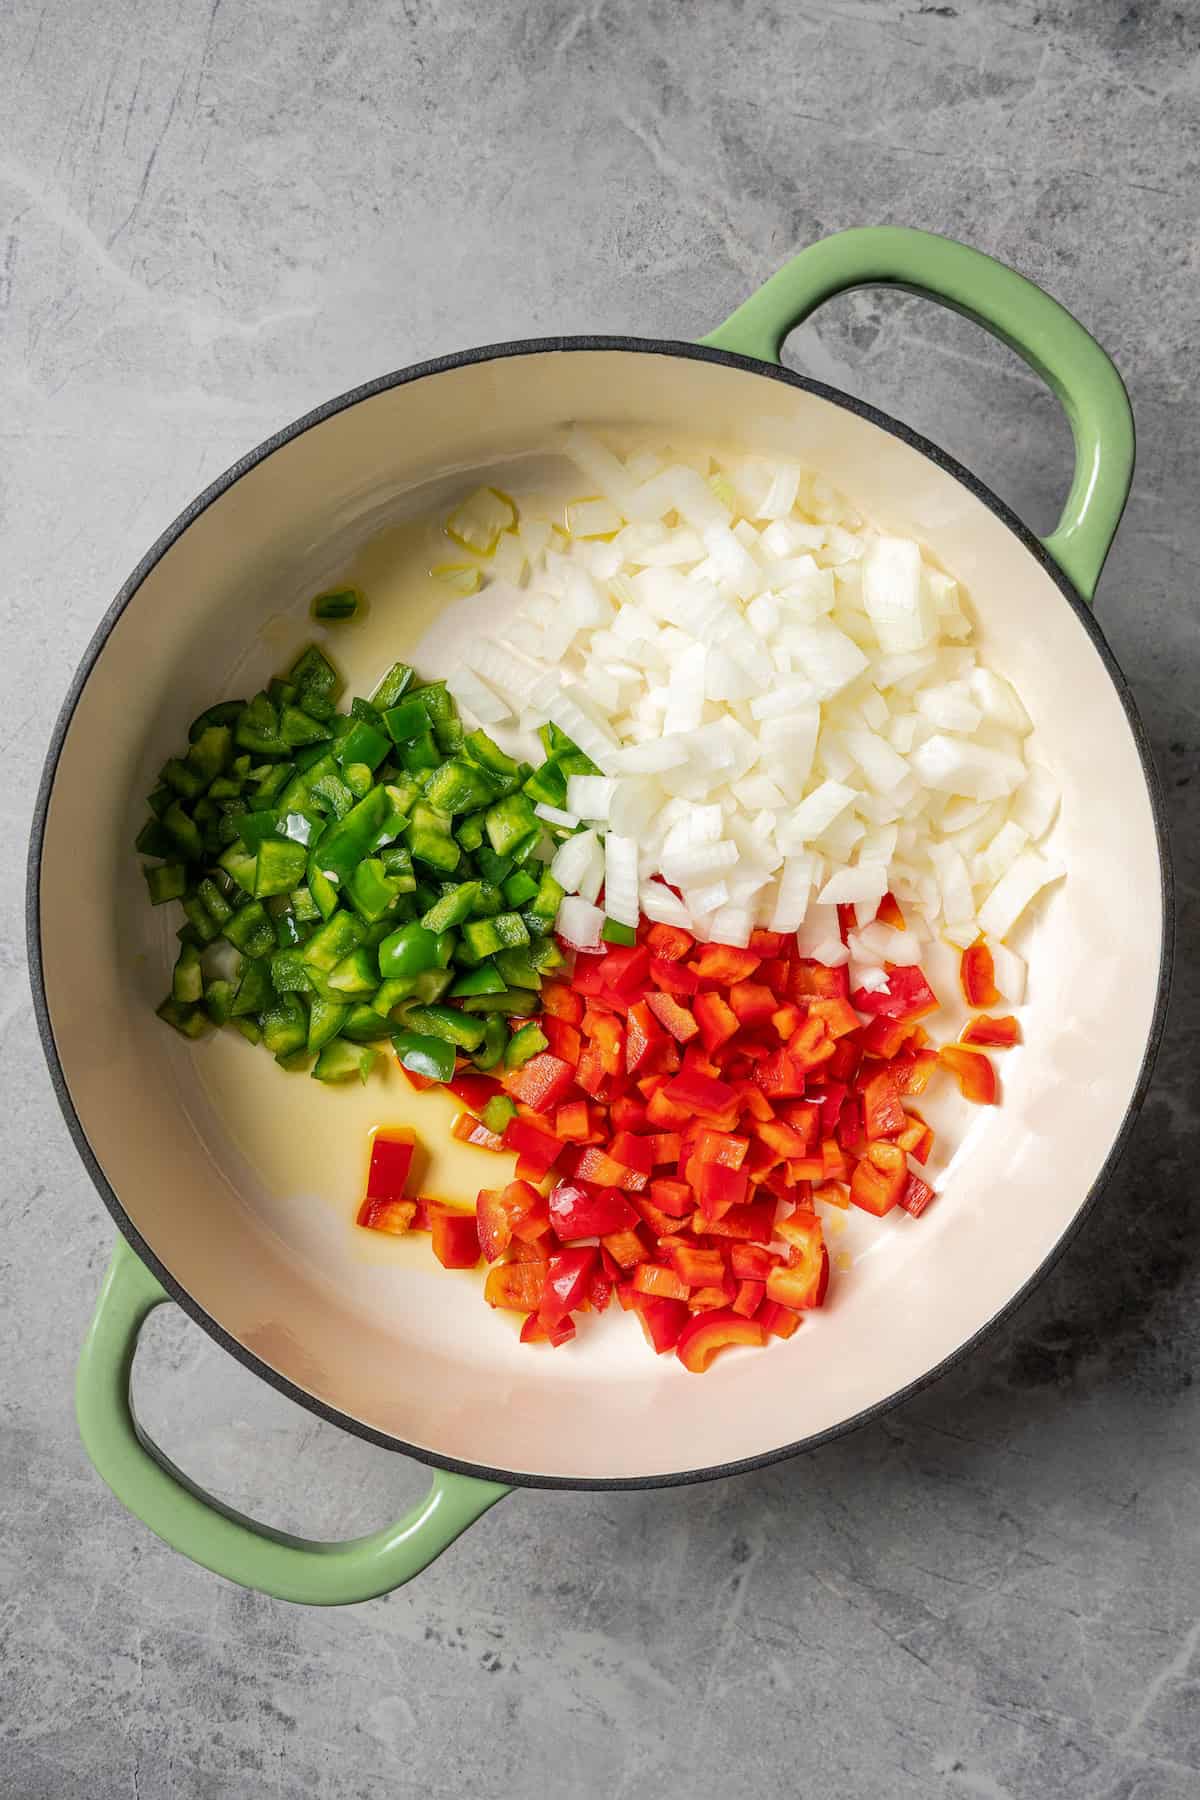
x=708 y=1333
x=625 y=1248
x=561 y=1000
x=813 y=981
x=470 y=1130
x=670 y=942
x=779 y=1078
x=696 y=1266
x=534 y=1332
x=455 y=1238
x=750 y=1262
x=885 y=1038
x=572 y=1122
x=592 y=1163
x=916 y=1196
x=562 y=1038
x=655 y=1278
x=577 y=1212
x=768 y=943
x=804 y=1281
x=532 y=1144
x=541 y=1082
x=664 y=1113
x=665 y=1147
x=718 y=1186
x=753 y=1101
x=419 y=1082
x=628 y=1113
x=474 y=1090
x=753 y=1223
x=516 y=1286
x=847 y=920
x=914 y=1072
x=699 y=1093
x=883 y=1115
x=633 y=1152
x=393 y=1216
x=838 y=1016
x=716 y=1019
x=749 y=1297
x=568 y=1273
x=879 y=1179
x=723 y=964
x=674 y=977
x=643 y=1035
x=588 y=978
x=499 y=1212
x=674 y=1018
x=916 y=1138
x=834 y=1193
x=786 y=1019
x=977 y=974
x=811 y=1046
x=391 y=1160
x=783 y=1139
x=662 y=1320
x=626 y=970
x=591 y=1073
x=996 y=1034
x=753 y=1002
x=672 y=1197
x=720 y=1147
x=908 y=996
x=974 y=1072
x=779 y=1320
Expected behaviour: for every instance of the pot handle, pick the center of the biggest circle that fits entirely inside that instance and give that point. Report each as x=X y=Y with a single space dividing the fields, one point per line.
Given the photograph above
x=1041 y=331
x=204 y=1528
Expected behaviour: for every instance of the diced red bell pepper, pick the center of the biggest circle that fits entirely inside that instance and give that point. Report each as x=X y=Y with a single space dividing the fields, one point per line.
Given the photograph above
x=907 y=996
x=720 y=1147
x=455 y=1238
x=838 y=1016
x=974 y=1072
x=850 y=1133
x=674 y=977
x=673 y=1197
x=562 y=1039
x=808 y=1118
x=655 y=1278
x=633 y=1152
x=516 y=1286
x=710 y=1332
x=916 y=1138
x=577 y=1212
x=588 y=978
x=811 y=1045
x=662 y=1320
x=591 y=1073
x=916 y=1196
x=813 y=981
x=625 y=969
x=753 y=1002
x=885 y=1038
x=660 y=1223
x=470 y=1130
x=391 y=1160
x=501 y=1212
x=674 y=1018
x=786 y=1019
x=710 y=1299
x=626 y=1248
x=474 y=1090
x=560 y=999
x=664 y=1147
x=753 y=1222
x=977 y=974
x=593 y=1163
x=753 y=1101
x=643 y=1035
x=779 y=1078
x=670 y=942
x=716 y=1019
x=914 y=1072
x=768 y=943
x=996 y=1034
x=393 y=1216
x=843 y=1064
x=723 y=964
x=701 y=1094
x=783 y=1139
x=803 y=1282
x=541 y=1082
x=572 y=1122
x=568 y=1274
x=664 y=1113
x=718 y=1186
x=419 y=1082
x=538 y=1251
x=779 y=1320
x=847 y=921
x=696 y=1266
x=833 y=1161
x=607 y=1036
x=750 y=1262
x=600 y=1287
x=883 y=1115
x=879 y=1179
x=889 y=912
x=628 y=1113
x=834 y=1193
x=749 y=1297
x=534 y=1332
x=532 y=1144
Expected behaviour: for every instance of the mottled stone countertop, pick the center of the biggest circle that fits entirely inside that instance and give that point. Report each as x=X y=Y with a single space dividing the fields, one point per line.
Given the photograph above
x=214 y=216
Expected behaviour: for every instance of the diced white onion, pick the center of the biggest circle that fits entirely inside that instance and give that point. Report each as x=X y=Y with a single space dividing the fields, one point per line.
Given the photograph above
x=578 y=923
x=554 y=815
x=1013 y=892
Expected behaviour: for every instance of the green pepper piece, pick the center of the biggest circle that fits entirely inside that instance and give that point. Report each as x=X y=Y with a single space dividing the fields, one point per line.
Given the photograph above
x=487 y=753
x=436 y=848
x=545 y=955
x=517 y=969
x=341 y=934
x=159 y=799
x=299 y=730
x=452 y=908
x=289 y=975
x=486 y=979
x=321 y=888
x=184 y=833
x=311 y=674
x=488 y=902
x=371 y=892
x=513 y=1003
x=365 y=829
x=363 y=1025
x=397 y=863
x=459 y=787
x=204 y=926
x=469 y=831
x=225 y=712
x=211 y=752
x=342 y=603
x=340 y=1061
x=189 y=1021
x=421 y=754
x=547 y=786
x=498 y=1112
x=281 y=693
x=167 y=882
x=358 y=779
x=248 y=1029
x=363 y=743
x=187 y=982
x=284 y=1026
x=446 y=1022
x=431 y=984
x=325 y=1020
x=304 y=906
x=253 y=991
x=408 y=951
x=485 y=936
x=430 y=1057
x=509 y=821
x=389 y=994
x=613 y=932
x=333 y=794
x=280 y=865
x=184 y=780
x=257 y=729
x=240 y=865
x=520 y=888
x=392 y=686
x=357 y=975
x=495 y=1038
x=218 y=1000
x=530 y=1041
x=405 y=722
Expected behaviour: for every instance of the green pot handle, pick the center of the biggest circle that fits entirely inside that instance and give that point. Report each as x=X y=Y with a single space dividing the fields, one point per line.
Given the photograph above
x=1041 y=331
x=213 y=1534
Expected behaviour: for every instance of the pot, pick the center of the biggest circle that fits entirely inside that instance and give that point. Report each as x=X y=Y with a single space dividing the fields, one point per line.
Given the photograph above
x=262 y=1253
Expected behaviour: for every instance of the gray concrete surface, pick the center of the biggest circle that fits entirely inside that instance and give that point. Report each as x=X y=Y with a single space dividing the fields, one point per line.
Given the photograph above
x=212 y=217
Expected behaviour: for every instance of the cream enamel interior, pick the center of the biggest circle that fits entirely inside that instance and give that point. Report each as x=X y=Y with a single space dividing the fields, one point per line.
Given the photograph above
x=243 y=1182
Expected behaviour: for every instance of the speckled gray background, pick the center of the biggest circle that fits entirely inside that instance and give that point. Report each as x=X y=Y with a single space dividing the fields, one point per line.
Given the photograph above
x=212 y=217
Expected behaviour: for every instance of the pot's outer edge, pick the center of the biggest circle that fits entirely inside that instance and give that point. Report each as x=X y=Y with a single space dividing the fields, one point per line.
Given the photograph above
x=417 y=372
